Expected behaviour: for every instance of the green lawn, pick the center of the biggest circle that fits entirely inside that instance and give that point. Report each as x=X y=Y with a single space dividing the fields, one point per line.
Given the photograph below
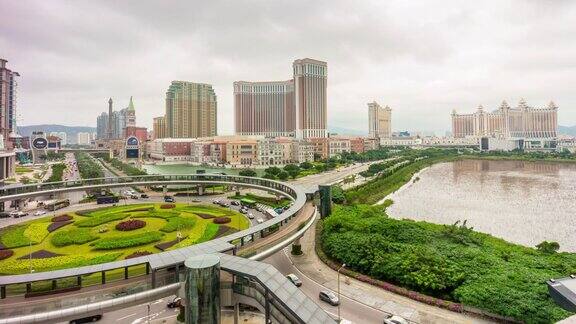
x=92 y=237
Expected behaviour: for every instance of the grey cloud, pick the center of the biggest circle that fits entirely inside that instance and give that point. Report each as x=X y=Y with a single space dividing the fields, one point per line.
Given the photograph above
x=421 y=58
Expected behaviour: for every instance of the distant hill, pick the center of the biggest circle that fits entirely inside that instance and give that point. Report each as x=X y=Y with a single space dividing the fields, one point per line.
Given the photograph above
x=71 y=131
x=567 y=130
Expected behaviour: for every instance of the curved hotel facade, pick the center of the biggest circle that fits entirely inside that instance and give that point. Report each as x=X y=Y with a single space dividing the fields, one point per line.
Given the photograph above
x=508 y=128
x=294 y=108
x=506 y=122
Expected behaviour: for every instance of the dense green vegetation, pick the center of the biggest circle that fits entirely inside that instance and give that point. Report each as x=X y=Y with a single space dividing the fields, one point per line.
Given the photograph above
x=124 y=241
x=178 y=223
x=57 y=172
x=128 y=169
x=53 y=156
x=73 y=236
x=451 y=262
x=87 y=167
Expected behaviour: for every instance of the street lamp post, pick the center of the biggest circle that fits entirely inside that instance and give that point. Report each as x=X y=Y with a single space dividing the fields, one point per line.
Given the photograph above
x=343 y=265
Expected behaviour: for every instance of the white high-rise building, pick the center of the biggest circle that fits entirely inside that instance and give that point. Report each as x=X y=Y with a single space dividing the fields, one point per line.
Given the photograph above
x=84 y=138
x=379 y=121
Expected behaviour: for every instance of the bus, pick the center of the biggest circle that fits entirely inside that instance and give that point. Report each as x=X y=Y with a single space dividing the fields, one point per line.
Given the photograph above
x=57 y=204
x=107 y=200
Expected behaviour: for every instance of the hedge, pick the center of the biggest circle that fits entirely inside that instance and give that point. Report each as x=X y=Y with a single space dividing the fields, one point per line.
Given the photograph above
x=125 y=241
x=60 y=262
x=100 y=219
x=176 y=223
x=73 y=236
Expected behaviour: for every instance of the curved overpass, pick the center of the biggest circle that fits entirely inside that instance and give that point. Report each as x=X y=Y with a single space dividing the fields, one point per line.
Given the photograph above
x=163 y=260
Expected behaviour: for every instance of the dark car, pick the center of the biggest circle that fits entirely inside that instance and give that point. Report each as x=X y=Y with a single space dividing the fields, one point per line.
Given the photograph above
x=235 y=203
x=89 y=319
x=144 y=196
x=169 y=199
x=177 y=302
x=4 y=215
x=329 y=297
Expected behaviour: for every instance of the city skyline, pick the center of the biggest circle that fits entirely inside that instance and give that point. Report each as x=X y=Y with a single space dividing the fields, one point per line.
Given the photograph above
x=414 y=64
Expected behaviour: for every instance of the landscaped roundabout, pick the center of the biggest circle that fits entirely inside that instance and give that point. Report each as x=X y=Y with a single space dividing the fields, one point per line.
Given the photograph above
x=110 y=234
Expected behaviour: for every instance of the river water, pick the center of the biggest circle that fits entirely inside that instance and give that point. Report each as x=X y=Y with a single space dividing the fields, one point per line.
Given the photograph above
x=522 y=202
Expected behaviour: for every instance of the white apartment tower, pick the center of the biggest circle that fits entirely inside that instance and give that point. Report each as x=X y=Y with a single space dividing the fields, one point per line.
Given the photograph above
x=379 y=121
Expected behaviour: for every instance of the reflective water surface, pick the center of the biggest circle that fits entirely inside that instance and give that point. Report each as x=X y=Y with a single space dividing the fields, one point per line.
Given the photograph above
x=523 y=202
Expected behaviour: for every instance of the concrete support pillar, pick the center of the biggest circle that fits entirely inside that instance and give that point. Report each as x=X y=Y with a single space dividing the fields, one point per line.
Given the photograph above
x=200 y=190
x=242 y=241
x=2 y=292
x=267 y=308
x=2 y=206
x=54 y=284
x=202 y=289
x=164 y=190
x=236 y=313
x=153 y=278
x=125 y=272
x=147 y=268
x=79 y=281
x=103 y=277
x=28 y=287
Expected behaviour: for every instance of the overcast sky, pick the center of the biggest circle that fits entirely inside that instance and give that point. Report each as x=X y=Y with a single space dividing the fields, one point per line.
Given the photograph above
x=422 y=58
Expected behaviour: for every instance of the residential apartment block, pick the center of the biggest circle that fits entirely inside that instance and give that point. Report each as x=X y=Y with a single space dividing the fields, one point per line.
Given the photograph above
x=190 y=110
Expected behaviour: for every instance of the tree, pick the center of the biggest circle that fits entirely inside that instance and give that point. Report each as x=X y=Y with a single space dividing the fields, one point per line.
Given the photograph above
x=247 y=173
x=273 y=170
x=293 y=170
x=269 y=176
x=306 y=165
x=283 y=175
x=548 y=247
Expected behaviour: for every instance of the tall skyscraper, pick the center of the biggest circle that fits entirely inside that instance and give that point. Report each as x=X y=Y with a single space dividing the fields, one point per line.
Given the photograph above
x=8 y=91
x=379 y=121
x=310 y=84
x=102 y=126
x=190 y=110
x=8 y=86
x=109 y=134
x=296 y=107
x=264 y=108
x=159 y=127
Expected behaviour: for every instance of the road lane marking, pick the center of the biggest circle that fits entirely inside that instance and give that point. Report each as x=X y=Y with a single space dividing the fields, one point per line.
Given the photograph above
x=125 y=317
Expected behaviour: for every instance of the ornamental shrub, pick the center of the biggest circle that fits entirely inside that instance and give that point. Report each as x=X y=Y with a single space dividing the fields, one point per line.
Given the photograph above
x=124 y=241
x=61 y=218
x=221 y=220
x=167 y=206
x=176 y=223
x=5 y=254
x=73 y=236
x=130 y=225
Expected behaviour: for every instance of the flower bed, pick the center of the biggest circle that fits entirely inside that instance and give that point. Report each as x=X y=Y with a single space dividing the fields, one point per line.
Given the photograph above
x=125 y=241
x=59 y=262
x=61 y=218
x=73 y=236
x=167 y=206
x=130 y=225
x=221 y=220
x=137 y=254
x=5 y=254
x=166 y=245
x=36 y=232
x=100 y=219
x=40 y=254
x=206 y=216
x=54 y=226
x=178 y=223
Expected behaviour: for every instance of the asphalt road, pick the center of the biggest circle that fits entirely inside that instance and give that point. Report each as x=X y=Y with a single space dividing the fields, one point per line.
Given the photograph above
x=350 y=309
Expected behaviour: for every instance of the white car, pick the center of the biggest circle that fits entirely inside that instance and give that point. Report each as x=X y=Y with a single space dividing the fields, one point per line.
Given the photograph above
x=393 y=319
x=250 y=215
x=260 y=220
x=39 y=213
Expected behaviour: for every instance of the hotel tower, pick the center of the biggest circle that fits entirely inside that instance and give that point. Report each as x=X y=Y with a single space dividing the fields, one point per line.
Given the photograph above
x=190 y=110
x=295 y=107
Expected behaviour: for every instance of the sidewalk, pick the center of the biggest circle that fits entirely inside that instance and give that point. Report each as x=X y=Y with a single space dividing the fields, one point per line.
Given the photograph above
x=309 y=264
